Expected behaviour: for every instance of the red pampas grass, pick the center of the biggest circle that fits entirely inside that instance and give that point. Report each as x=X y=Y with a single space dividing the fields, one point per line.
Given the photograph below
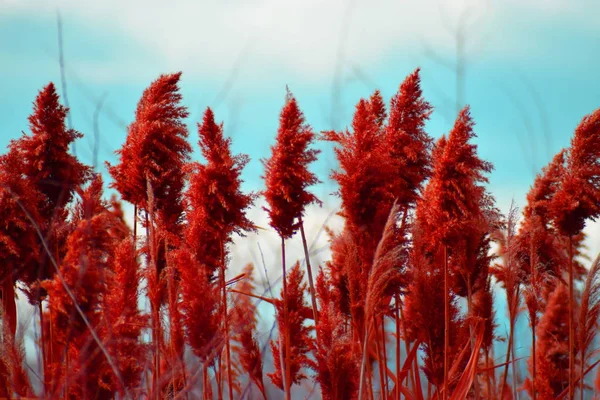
x=552 y=347
x=156 y=149
x=216 y=205
x=589 y=313
x=454 y=193
x=362 y=178
x=295 y=328
x=336 y=361
x=124 y=323
x=243 y=325
x=576 y=200
x=455 y=202
x=217 y=208
x=76 y=295
x=286 y=172
x=200 y=308
x=45 y=162
x=287 y=178
x=408 y=144
x=45 y=157
x=424 y=311
x=19 y=241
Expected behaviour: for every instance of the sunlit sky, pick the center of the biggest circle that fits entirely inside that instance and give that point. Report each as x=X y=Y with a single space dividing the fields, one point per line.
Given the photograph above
x=530 y=72
x=530 y=68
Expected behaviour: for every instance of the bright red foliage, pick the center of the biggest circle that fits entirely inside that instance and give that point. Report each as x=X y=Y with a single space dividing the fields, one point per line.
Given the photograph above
x=123 y=321
x=294 y=327
x=156 y=149
x=362 y=178
x=200 y=307
x=552 y=347
x=388 y=275
x=286 y=173
x=343 y=255
x=216 y=205
x=243 y=324
x=537 y=235
x=84 y=272
x=336 y=360
x=45 y=162
x=45 y=157
x=19 y=241
x=408 y=143
x=454 y=193
x=424 y=309
x=578 y=196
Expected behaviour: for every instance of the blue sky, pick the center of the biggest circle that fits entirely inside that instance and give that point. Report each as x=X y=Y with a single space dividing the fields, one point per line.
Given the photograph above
x=530 y=69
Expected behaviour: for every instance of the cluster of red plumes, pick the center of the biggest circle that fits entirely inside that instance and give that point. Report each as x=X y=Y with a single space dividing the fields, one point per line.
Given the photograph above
x=403 y=309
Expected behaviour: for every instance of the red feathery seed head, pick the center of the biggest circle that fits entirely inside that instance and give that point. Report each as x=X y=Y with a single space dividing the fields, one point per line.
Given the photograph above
x=122 y=231
x=200 y=307
x=243 y=323
x=388 y=275
x=156 y=148
x=19 y=242
x=455 y=190
x=378 y=108
x=286 y=173
x=537 y=244
x=84 y=270
x=297 y=331
x=44 y=161
x=45 y=158
x=578 y=198
x=86 y=263
x=589 y=312
x=124 y=322
x=552 y=351
x=408 y=143
x=470 y=259
x=544 y=188
x=363 y=182
x=14 y=379
x=507 y=272
x=424 y=308
x=343 y=251
x=336 y=363
x=483 y=310
x=216 y=205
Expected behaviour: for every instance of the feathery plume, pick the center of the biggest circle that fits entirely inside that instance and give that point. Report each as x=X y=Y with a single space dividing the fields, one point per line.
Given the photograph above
x=336 y=363
x=123 y=321
x=216 y=205
x=84 y=272
x=200 y=307
x=454 y=193
x=577 y=197
x=286 y=172
x=362 y=179
x=408 y=143
x=19 y=243
x=45 y=162
x=295 y=328
x=244 y=321
x=156 y=148
x=589 y=313
x=552 y=347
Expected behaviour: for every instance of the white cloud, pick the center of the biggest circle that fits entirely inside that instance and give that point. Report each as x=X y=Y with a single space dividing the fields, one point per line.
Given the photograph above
x=203 y=37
